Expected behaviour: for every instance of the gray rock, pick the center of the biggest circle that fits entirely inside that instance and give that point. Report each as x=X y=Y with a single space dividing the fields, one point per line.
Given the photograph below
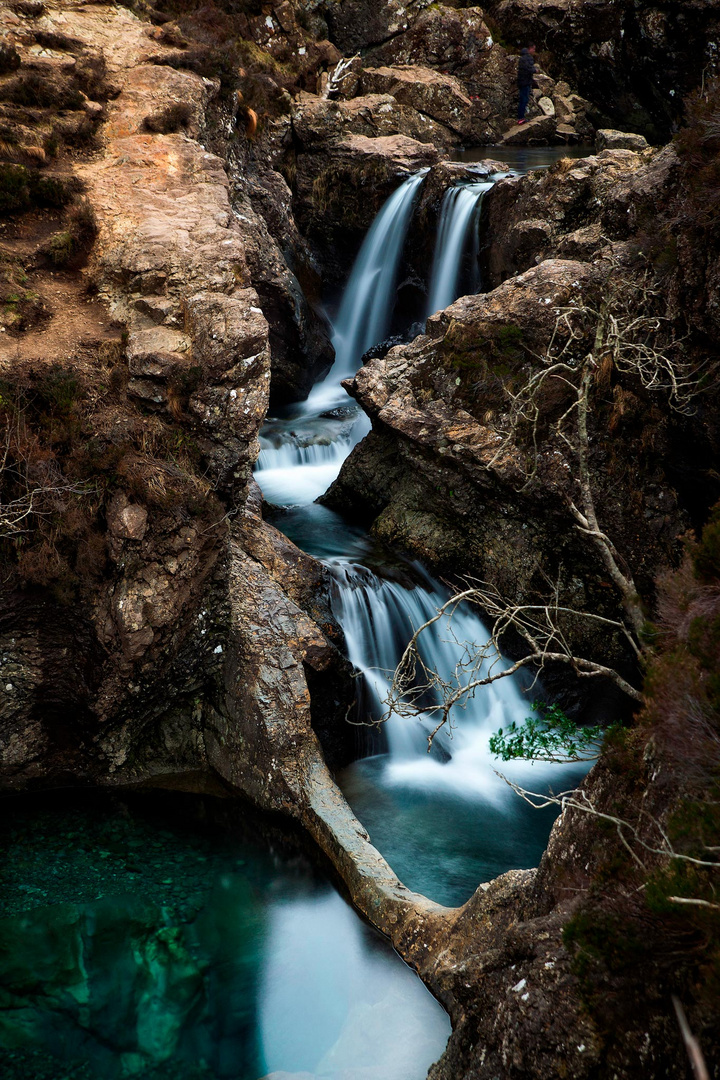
x=546 y=106
x=609 y=139
x=540 y=129
x=126 y=520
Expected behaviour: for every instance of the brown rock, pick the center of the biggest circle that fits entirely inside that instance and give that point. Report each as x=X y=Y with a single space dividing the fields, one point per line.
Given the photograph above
x=341 y=185
x=126 y=520
x=606 y=139
x=538 y=131
x=431 y=93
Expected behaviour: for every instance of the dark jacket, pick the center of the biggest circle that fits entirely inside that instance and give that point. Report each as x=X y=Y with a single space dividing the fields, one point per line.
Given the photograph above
x=526 y=68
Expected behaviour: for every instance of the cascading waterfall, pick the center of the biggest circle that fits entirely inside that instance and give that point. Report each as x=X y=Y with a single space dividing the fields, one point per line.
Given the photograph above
x=460 y=211
x=378 y=617
x=300 y=457
x=366 y=309
x=444 y=820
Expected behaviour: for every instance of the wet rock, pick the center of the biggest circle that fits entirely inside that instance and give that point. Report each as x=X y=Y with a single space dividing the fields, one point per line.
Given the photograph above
x=434 y=475
x=341 y=185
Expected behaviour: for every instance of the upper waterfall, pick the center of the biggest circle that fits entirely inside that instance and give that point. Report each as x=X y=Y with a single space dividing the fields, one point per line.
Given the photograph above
x=366 y=309
x=460 y=210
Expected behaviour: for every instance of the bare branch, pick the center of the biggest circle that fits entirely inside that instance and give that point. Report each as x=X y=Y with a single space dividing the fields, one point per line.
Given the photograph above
x=579 y=800
x=29 y=489
x=691 y=1044
x=417 y=690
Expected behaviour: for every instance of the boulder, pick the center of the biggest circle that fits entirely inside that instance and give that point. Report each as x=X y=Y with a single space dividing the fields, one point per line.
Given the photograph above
x=317 y=120
x=538 y=131
x=567 y=133
x=546 y=106
x=563 y=109
x=609 y=139
x=434 y=94
x=583 y=204
x=126 y=520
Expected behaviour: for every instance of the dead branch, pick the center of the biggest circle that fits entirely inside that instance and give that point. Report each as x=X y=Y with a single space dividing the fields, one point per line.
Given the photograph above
x=417 y=689
x=578 y=799
x=625 y=330
x=29 y=489
x=692 y=1046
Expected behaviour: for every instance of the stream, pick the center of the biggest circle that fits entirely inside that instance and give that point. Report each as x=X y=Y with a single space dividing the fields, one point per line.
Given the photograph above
x=444 y=821
x=165 y=936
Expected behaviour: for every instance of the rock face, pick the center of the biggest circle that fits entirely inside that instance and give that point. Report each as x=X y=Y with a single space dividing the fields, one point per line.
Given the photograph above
x=147 y=640
x=436 y=477
x=341 y=185
x=457 y=43
x=636 y=64
x=572 y=210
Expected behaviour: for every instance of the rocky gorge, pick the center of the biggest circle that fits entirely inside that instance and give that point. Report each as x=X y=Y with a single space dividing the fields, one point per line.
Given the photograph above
x=184 y=192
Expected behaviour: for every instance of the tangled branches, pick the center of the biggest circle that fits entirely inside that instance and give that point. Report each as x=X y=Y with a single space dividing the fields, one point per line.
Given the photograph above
x=632 y=837
x=31 y=483
x=419 y=689
x=549 y=414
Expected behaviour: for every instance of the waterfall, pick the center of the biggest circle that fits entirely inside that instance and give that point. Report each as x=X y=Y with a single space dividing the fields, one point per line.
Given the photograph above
x=378 y=617
x=460 y=210
x=300 y=457
x=369 y=297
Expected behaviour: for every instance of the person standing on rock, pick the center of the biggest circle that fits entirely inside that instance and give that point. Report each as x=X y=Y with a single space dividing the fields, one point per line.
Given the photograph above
x=525 y=73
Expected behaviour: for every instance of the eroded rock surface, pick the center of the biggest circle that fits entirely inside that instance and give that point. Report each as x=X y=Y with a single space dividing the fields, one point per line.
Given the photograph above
x=636 y=64
x=437 y=476
x=573 y=210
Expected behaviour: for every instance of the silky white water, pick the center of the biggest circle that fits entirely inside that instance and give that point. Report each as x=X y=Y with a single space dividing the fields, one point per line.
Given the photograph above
x=459 y=213
x=366 y=309
x=378 y=618
x=300 y=457
x=445 y=820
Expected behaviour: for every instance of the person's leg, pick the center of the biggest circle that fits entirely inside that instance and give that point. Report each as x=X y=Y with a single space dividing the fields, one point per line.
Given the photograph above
x=524 y=97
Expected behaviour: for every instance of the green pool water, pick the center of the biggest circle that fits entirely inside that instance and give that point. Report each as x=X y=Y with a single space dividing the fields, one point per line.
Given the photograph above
x=175 y=937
